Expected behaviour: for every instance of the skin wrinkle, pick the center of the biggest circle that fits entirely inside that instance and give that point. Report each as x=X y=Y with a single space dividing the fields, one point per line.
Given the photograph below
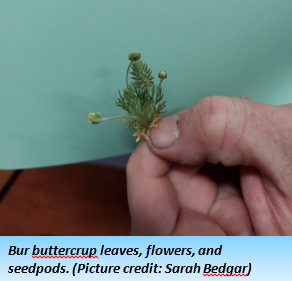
x=210 y=105
x=281 y=222
x=177 y=218
x=244 y=126
x=212 y=109
x=257 y=216
x=214 y=201
x=234 y=105
x=276 y=217
x=279 y=201
x=208 y=109
x=227 y=121
x=201 y=126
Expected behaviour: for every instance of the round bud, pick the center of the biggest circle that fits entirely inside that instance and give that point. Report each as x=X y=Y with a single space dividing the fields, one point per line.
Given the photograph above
x=94 y=118
x=162 y=74
x=134 y=56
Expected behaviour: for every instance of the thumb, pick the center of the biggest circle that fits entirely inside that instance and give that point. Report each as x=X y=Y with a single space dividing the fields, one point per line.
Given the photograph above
x=231 y=131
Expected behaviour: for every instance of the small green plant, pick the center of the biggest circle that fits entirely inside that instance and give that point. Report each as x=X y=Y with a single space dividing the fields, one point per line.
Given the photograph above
x=141 y=99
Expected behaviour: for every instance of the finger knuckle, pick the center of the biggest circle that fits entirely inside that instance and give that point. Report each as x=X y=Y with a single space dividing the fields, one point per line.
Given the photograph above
x=213 y=116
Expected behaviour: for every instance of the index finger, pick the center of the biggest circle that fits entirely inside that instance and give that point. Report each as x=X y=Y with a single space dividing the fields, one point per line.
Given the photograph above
x=151 y=195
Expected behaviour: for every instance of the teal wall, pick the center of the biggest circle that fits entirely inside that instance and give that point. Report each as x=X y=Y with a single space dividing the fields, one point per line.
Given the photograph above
x=61 y=59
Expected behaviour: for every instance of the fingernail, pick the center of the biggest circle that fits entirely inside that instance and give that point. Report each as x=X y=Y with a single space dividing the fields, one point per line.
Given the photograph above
x=166 y=134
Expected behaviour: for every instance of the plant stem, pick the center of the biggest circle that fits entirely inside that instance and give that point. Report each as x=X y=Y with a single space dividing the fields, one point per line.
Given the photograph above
x=127 y=75
x=114 y=118
x=159 y=86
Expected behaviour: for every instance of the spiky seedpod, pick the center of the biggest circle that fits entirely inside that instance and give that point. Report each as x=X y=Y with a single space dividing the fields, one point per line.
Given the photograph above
x=142 y=75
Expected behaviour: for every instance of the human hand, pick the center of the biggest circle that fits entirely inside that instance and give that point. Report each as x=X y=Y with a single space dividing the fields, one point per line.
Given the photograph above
x=220 y=167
